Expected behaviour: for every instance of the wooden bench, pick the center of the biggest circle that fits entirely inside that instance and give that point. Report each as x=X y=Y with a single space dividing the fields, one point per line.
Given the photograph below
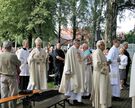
x=48 y=102
x=11 y=98
x=46 y=99
x=58 y=100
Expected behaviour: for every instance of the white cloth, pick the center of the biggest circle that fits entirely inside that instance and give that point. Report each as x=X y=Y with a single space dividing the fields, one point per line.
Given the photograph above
x=132 y=79
x=87 y=80
x=73 y=96
x=23 y=56
x=101 y=90
x=37 y=64
x=123 y=61
x=72 y=82
x=113 y=56
x=133 y=102
x=87 y=73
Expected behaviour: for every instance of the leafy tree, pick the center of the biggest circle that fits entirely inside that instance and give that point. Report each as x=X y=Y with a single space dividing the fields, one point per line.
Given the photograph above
x=27 y=19
x=61 y=15
x=130 y=37
x=77 y=13
x=114 y=7
x=97 y=17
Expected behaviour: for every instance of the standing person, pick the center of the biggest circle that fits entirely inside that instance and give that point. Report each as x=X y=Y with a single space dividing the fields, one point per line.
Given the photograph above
x=59 y=63
x=122 y=67
x=106 y=51
x=132 y=82
x=113 y=57
x=50 y=63
x=125 y=46
x=8 y=73
x=88 y=70
x=22 y=55
x=72 y=83
x=101 y=91
x=37 y=67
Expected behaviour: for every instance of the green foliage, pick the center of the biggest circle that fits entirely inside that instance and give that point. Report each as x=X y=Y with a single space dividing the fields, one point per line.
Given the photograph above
x=13 y=18
x=130 y=37
x=21 y=18
x=51 y=85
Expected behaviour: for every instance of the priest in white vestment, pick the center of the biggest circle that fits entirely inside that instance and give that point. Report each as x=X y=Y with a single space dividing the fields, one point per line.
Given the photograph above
x=132 y=82
x=72 y=80
x=37 y=65
x=23 y=55
x=101 y=90
x=88 y=70
x=113 y=57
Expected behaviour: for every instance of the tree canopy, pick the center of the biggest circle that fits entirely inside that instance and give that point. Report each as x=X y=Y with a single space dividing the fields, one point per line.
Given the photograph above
x=44 y=18
x=28 y=18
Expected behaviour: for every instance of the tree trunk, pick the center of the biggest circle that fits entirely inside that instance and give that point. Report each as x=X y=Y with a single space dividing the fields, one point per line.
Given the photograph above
x=94 y=24
x=74 y=19
x=111 y=22
x=74 y=27
x=15 y=44
x=59 y=33
x=30 y=40
x=97 y=13
x=114 y=19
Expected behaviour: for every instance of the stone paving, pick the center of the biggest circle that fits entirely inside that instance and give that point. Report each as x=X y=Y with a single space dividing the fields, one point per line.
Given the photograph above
x=125 y=102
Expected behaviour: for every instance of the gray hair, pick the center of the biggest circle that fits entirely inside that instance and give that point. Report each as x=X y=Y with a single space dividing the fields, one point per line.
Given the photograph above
x=99 y=43
x=7 y=44
x=125 y=43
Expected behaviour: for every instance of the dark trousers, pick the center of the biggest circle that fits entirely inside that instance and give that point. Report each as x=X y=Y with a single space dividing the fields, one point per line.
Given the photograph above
x=58 y=72
x=127 y=70
x=50 y=71
x=24 y=80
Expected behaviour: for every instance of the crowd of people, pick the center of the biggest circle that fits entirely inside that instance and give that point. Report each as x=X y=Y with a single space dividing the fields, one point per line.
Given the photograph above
x=98 y=74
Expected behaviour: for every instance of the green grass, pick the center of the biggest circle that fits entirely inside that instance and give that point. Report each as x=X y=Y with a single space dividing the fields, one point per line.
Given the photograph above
x=51 y=85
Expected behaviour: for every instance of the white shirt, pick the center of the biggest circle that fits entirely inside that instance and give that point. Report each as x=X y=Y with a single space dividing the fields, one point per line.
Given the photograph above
x=22 y=56
x=123 y=61
x=113 y=56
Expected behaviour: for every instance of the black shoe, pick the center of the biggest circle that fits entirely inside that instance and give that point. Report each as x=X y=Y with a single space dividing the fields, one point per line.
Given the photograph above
x=86 y=97
x=75 y=102
x=116 y=98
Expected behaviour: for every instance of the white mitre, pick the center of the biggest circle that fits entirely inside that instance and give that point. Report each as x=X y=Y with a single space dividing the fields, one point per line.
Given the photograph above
x=38 y=40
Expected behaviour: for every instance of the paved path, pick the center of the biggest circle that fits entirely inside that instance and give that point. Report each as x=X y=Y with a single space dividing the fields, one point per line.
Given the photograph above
x=124 y=103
